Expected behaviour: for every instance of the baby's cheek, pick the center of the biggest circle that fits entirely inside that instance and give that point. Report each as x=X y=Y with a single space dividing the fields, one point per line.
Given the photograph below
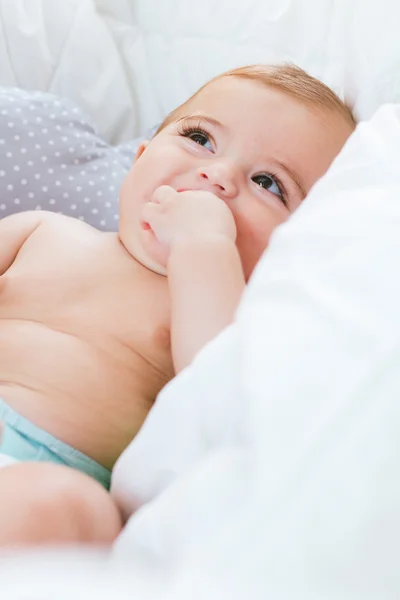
x=126 y=196
x=253 y=233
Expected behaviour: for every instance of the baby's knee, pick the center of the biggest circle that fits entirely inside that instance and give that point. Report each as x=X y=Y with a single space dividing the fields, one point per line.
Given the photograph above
x=92 y=509
x=59 y=505
x=85 y=504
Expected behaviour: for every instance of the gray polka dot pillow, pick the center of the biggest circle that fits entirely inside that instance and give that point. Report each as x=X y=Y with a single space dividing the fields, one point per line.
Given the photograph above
x=51 y=158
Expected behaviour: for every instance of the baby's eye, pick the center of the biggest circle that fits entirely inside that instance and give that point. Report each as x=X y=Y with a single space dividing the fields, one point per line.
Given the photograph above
x=199 y=137
x=268 y=183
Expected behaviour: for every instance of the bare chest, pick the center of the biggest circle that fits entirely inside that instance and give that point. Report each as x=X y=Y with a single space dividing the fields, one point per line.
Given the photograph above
x=83 y=282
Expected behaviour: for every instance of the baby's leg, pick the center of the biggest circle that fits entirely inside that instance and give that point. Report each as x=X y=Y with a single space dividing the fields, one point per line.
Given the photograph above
x=42 y=503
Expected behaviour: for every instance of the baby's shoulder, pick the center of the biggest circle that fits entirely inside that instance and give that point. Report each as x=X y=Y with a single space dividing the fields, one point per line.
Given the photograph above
x=59 y=221
x=33 y=221
x=55 y=231
x=57 y=228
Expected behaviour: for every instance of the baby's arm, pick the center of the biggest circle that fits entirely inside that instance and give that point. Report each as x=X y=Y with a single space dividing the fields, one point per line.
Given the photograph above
x=204 y=269
x=14 y=231
x=206 y=282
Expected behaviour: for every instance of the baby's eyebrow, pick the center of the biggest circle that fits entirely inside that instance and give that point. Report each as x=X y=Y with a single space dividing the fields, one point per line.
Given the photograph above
x=210 y=120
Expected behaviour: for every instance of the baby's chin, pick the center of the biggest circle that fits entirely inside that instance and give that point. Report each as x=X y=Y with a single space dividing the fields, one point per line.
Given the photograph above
x=147 y=261
x=147 y=251
x=151 y=264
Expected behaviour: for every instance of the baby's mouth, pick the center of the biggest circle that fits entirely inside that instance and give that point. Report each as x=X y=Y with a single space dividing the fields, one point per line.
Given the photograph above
x=145 y=226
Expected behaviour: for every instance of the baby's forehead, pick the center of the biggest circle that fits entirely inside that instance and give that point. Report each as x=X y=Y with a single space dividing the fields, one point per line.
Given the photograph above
x=222 y=87
x=227 y=88
x=225 y=91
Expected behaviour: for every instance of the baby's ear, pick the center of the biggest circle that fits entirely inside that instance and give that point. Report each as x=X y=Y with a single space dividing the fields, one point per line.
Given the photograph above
x=142 y=147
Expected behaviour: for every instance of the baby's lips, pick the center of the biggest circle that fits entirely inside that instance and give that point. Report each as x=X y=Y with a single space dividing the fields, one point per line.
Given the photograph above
x=191 y=189
x=144 y=225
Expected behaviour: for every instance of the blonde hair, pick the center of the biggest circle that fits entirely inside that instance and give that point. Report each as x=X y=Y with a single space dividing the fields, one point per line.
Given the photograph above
x=287 y=78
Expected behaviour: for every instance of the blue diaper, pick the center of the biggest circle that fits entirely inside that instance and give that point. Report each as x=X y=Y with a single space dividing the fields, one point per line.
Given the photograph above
x=25 y=442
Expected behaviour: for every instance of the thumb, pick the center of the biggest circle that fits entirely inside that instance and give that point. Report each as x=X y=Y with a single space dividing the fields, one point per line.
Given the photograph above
x=151 y=213
x=162 y=193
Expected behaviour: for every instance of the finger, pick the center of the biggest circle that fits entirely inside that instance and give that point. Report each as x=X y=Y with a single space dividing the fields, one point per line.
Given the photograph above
x=163 y=193
x=154 y=217
x=151 y=212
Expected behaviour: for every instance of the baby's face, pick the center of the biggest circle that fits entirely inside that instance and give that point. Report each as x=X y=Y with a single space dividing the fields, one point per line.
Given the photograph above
x=256 y=148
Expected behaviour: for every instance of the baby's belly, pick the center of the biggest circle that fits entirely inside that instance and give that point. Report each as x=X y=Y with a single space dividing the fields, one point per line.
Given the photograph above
x=91 y=398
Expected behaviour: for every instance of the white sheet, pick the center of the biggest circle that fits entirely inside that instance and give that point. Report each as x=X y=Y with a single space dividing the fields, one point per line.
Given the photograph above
x=128 y=62
x=65 y=47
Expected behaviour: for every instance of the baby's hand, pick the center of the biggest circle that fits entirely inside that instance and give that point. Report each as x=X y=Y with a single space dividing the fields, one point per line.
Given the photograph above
x=181 y=216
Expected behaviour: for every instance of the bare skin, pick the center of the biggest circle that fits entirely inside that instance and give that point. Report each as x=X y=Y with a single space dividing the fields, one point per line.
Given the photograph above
x=76 y=329
x=93 y=325
x=52 y=504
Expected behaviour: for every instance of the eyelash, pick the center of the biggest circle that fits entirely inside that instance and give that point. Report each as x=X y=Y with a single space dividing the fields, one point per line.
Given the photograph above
x=280 y=187
x=187 y=129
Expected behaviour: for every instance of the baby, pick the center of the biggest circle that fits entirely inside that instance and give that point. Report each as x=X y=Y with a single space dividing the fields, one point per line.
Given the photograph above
x=93 y=325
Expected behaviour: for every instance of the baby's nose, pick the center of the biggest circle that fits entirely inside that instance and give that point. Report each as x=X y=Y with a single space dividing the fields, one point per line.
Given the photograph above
x=219 y=179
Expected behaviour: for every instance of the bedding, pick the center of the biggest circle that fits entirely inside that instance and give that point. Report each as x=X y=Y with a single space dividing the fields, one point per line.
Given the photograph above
x=129 y=62
x=53 y=158
x=268 y=468
x=273 y=459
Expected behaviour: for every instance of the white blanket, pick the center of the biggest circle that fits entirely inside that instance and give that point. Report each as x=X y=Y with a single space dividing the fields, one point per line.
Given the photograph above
x=273 y=461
